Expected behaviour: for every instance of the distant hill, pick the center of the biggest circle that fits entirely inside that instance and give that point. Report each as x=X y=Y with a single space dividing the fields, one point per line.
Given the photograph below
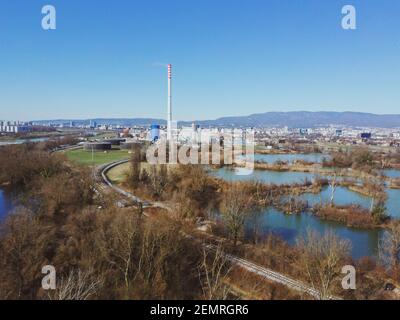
x=297 y=119
x=300 y=119
x=126 y=122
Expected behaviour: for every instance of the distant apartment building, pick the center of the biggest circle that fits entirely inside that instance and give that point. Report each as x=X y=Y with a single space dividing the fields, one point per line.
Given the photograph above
x=92 y=124
x=14 y=127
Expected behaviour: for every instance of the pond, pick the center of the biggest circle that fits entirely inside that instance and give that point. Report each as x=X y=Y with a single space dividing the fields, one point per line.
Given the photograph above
x=344 y=196
x=392 y=173
x=289 y=227
x=290 y=157
x=275 y=177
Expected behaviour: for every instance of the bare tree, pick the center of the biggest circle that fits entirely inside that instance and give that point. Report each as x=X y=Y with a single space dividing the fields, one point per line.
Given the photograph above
x=322 y=258
x=23 y=245
x=389 y=247
x=235 y=206
x=158 y=179
x=333 y=185
x=77 y=285
x=150 y=258
x=213 y=271
x=117 y=243
x=158 y=263
x=135 y=168
x=385 y=162
x=376 y=188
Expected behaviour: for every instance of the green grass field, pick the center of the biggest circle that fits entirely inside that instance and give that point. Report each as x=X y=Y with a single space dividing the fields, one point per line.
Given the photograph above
x=85 y=157
x=119 y=173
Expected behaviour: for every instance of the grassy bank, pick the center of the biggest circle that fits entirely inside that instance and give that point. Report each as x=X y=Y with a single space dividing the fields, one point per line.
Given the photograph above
x=119 y=173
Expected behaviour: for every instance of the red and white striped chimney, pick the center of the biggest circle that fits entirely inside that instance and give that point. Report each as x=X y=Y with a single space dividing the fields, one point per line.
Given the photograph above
x=169 y=118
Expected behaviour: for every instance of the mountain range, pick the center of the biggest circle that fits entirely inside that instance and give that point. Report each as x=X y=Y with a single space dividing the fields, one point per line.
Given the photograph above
x=296 y=119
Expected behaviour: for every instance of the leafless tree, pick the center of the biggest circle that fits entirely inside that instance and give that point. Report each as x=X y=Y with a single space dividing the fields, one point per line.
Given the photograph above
x=213 y=271
x=23 y=244
x=150 y=257
x=135 y=167
x=236 y=204
x=117 y=244
x=333 y=185
x=389 y=247
x=77 y=285
x=384 y=162
x=322 y=258
x=158 y=179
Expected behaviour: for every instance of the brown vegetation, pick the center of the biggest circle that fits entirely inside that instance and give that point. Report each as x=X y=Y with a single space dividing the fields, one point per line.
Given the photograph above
x=99 y=250
x=235 y=207
x=21 y=164
x=351 y=216
x=322 y=258
x=189 y=187
x=360 y=158
x=390 y=249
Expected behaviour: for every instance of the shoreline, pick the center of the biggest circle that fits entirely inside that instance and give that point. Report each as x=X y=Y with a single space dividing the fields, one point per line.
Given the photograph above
x=343 y=219
x=316 y=168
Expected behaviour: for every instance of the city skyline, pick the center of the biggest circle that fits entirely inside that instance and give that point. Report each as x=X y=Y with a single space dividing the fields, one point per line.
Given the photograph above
x=109 y=61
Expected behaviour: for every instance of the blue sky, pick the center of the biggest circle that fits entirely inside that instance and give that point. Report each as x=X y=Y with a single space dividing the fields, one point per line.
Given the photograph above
x=230 y=57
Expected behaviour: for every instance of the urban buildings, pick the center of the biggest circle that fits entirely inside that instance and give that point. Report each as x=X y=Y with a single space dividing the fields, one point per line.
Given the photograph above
x=15 y=127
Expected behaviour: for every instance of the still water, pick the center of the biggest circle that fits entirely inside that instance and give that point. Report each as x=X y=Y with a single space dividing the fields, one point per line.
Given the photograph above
x=289 y=227
x=344 y=196
x=5 y=205
x=290 y=158
x=273 y=177
x=392 y=173
x=21 y=141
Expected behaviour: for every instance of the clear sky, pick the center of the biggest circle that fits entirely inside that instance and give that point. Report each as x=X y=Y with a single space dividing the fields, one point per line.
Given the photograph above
x=230 y=57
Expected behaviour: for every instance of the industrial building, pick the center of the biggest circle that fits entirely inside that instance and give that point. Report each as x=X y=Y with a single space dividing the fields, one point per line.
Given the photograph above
x=154 y=132
x=97 y=146
x=115 y=141
x=130 y=145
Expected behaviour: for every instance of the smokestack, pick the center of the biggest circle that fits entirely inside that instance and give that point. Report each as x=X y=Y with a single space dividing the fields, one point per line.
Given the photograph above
x=169 y=118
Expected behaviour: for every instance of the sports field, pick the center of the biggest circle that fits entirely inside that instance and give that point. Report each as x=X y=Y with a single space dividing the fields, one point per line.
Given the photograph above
x=85 y=157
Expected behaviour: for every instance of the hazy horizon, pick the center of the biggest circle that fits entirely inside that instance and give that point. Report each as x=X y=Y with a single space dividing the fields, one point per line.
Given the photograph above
x=210 y=119
x=192 y=119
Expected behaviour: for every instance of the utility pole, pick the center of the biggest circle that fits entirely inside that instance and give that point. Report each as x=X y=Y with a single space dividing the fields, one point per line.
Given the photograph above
x=93 y=162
